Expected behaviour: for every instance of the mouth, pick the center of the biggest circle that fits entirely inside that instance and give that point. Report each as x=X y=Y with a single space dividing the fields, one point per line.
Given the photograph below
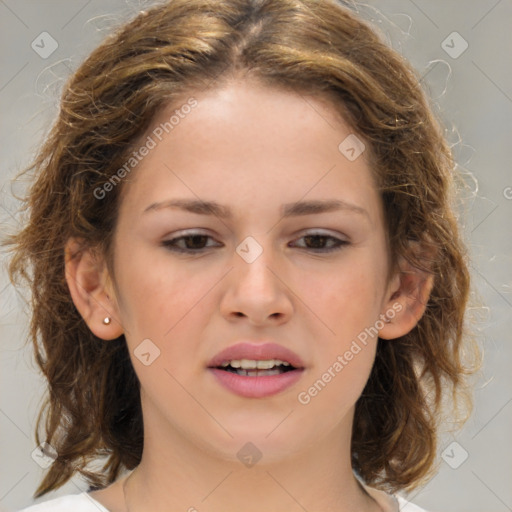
x=253 y=368
x=256 y=370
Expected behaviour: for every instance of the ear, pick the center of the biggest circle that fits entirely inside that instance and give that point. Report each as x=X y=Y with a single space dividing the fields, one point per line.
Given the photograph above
x=91 y=289
x=407 y=297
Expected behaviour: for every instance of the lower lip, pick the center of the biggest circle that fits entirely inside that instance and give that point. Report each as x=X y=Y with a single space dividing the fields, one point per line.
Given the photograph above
x=256 y=387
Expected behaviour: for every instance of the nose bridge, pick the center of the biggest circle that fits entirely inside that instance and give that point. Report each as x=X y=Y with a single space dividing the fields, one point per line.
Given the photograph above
x=255 y=287
x=254 y=258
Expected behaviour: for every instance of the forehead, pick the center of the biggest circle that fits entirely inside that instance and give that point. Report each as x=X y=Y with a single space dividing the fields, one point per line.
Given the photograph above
x=247 y=140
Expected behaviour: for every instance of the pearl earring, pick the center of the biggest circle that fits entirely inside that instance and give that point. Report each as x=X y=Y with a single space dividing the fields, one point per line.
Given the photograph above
x=106 y=320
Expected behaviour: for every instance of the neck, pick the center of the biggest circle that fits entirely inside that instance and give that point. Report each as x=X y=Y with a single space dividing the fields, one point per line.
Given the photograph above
x=178 y=474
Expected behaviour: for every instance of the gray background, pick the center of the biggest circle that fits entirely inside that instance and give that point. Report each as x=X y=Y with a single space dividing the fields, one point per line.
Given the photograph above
x=473 y=92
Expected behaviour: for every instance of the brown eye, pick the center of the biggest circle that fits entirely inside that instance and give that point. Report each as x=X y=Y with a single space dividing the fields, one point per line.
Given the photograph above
x=318 y=242
x=193 y=243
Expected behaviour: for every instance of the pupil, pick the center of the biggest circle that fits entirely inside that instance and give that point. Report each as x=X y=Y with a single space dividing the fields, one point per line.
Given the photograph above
x=195 y=239
x=316 y=238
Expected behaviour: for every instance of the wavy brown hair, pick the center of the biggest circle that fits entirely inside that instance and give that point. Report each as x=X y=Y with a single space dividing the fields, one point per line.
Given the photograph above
x=311 y=47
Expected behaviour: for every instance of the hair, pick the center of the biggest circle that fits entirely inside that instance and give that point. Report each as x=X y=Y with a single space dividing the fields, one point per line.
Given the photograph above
x=312 y=47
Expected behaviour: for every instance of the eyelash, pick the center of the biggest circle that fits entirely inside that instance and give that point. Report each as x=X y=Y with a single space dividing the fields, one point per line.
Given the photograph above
x=169 y=244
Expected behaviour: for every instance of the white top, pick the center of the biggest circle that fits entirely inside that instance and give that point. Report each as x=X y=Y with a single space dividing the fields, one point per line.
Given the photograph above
x=84 y=503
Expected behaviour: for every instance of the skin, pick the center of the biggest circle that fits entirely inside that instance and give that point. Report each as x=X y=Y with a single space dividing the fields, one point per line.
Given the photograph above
x=252 y=149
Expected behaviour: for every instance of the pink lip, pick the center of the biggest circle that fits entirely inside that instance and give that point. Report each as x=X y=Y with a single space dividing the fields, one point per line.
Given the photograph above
x=256 y=387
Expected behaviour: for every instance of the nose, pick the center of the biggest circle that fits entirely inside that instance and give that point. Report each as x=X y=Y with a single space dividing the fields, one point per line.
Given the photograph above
x=257 y=291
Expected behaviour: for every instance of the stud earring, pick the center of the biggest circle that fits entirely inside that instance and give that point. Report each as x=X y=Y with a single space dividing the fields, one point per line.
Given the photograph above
x=106 y=320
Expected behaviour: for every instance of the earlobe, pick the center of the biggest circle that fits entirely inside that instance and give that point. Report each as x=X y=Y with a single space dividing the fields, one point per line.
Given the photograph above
x=89 y=285
x=408 y=297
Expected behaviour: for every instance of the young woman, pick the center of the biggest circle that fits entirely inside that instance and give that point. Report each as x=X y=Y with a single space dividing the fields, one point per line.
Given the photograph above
x=248 y=284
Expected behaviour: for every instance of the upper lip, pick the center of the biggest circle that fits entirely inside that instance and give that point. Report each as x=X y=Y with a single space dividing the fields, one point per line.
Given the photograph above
x=256 y=352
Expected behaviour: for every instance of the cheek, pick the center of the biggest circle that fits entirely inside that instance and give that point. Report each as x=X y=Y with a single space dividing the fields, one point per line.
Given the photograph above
x=336 y=383
x=348 y=298
x=158 y=297
x=348 y=303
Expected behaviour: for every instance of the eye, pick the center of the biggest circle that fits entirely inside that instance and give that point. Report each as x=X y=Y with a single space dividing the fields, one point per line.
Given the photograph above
x=318 y=241
x=194 y=243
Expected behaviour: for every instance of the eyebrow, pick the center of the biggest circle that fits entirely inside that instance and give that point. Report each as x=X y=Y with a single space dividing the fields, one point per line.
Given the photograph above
x=298 y=208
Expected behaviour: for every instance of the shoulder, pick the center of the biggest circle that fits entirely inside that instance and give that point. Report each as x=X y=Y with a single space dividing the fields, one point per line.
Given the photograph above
x=391 y=502
x=70 y=502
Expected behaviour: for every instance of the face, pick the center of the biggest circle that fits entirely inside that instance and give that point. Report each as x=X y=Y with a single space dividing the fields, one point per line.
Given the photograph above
x=295 y=284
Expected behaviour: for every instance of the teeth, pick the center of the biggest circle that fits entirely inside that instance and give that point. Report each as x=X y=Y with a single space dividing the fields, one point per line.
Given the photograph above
x=251 y=364
x=256 y=373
